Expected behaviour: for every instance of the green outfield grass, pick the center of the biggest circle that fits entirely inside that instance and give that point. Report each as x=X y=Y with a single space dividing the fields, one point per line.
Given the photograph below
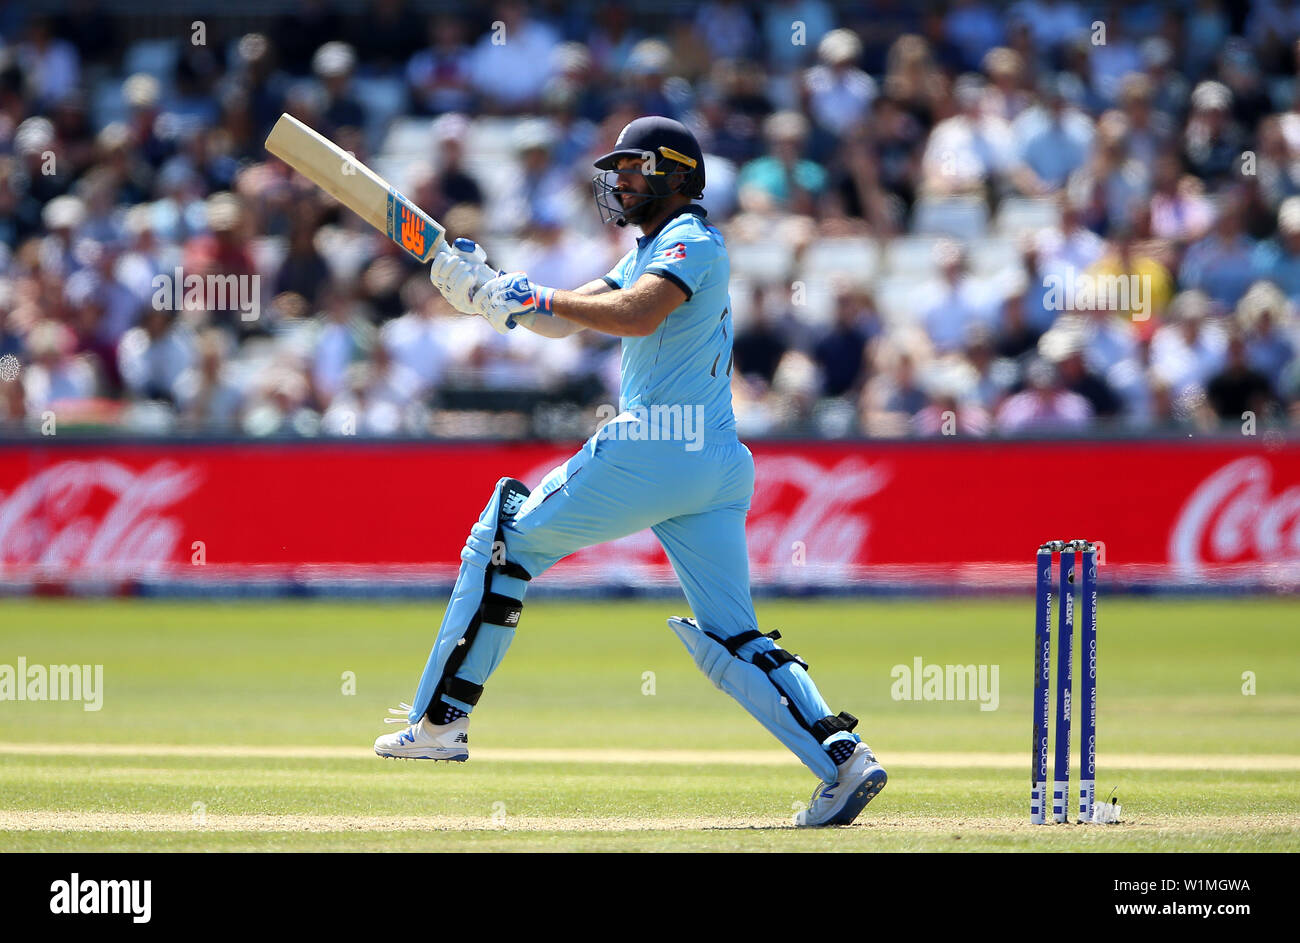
x=199 y=699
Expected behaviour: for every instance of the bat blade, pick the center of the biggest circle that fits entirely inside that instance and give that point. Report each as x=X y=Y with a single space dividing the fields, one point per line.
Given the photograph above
x=356 y=186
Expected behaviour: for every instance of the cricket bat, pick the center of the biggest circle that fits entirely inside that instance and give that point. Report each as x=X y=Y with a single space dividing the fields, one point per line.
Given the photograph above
x=356 y=186
x=366 y=193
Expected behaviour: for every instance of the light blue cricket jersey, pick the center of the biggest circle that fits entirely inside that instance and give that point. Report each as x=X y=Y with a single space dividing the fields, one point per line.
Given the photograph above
x=687 y=360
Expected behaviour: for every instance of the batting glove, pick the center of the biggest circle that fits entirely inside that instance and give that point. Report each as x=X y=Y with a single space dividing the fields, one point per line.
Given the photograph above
x=510 y=296
x=459 y=271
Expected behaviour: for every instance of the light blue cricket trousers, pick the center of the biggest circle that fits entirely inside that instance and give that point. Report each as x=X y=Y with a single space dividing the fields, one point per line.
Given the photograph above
x=695 y=502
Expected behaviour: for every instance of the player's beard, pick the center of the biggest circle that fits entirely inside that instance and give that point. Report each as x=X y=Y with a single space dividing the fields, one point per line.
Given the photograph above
x=640 y=211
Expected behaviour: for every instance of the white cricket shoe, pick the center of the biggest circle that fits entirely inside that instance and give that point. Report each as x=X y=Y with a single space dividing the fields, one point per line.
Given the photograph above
x=860 y=780
x=423 y=740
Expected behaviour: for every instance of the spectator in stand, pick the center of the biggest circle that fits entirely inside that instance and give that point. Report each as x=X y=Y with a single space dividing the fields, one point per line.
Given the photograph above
x=304 y=269
x=1278 y=259
x=1220 y=264
x=1266 y=322
x=1125 y=258
x=542 y=188
x=152 y=357
x=893 y=396
x=896 y=139
x=962 y=302
x=1212 y=142
x=1053 y=141
x=1278 y=173
x=55 y=374
x=256 y=82
x=952 y=410
x=760 y=345
x=224 y=251
x=1114 y=59
x=1076 y=69
x=1071 y=248
x=915 y=82
x=1179 y=209
x=563 y=257
x=40 y=180
x=837 y=91
x=422 y=339
x=1015 y=335
x=438 y=77
x=992 y=376
x=647 y=86
x=1044 y=406
x=855 y=198
x=453 y=185
x=1239 y=393
x=334 y=64
x=574 y=101
x=280 y=404
x=502 y=85
x=1064 y=347
x=1005 y=95
x=1189 y=350
x=722 y=131
x=1239 y=71
x=1109 y=339
x=207 y=396
x=1148 y=132
x=969 y=151
x=52 y=65
x=341 y=339
x=380 y=397
x=784 y=178
x=1169 y=87
x=841 y=351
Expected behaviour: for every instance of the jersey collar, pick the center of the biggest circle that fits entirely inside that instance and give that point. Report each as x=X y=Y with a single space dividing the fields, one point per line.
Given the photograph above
x=692 y=208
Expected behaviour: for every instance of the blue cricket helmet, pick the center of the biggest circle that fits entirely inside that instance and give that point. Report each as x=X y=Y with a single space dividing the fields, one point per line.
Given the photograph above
x=670 y=158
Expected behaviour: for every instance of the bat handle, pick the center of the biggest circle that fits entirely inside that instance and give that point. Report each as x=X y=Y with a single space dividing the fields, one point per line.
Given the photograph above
x=474 y=254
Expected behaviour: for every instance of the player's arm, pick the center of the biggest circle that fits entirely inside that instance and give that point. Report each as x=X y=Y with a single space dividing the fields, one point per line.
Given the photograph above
x=561 y=326
x=628 y=312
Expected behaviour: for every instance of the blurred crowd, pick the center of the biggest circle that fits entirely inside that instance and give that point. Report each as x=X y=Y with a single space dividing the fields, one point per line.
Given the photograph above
x=977 y=218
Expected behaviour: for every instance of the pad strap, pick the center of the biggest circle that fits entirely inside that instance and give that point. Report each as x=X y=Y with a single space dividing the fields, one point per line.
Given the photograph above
x=462 y=690
x=512 y=569
x=770 y=661
x=740 y=639
x=500 y=610
x=829 y=726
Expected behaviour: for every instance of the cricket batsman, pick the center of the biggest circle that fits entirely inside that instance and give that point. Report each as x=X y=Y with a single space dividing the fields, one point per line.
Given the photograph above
x=667 y=299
